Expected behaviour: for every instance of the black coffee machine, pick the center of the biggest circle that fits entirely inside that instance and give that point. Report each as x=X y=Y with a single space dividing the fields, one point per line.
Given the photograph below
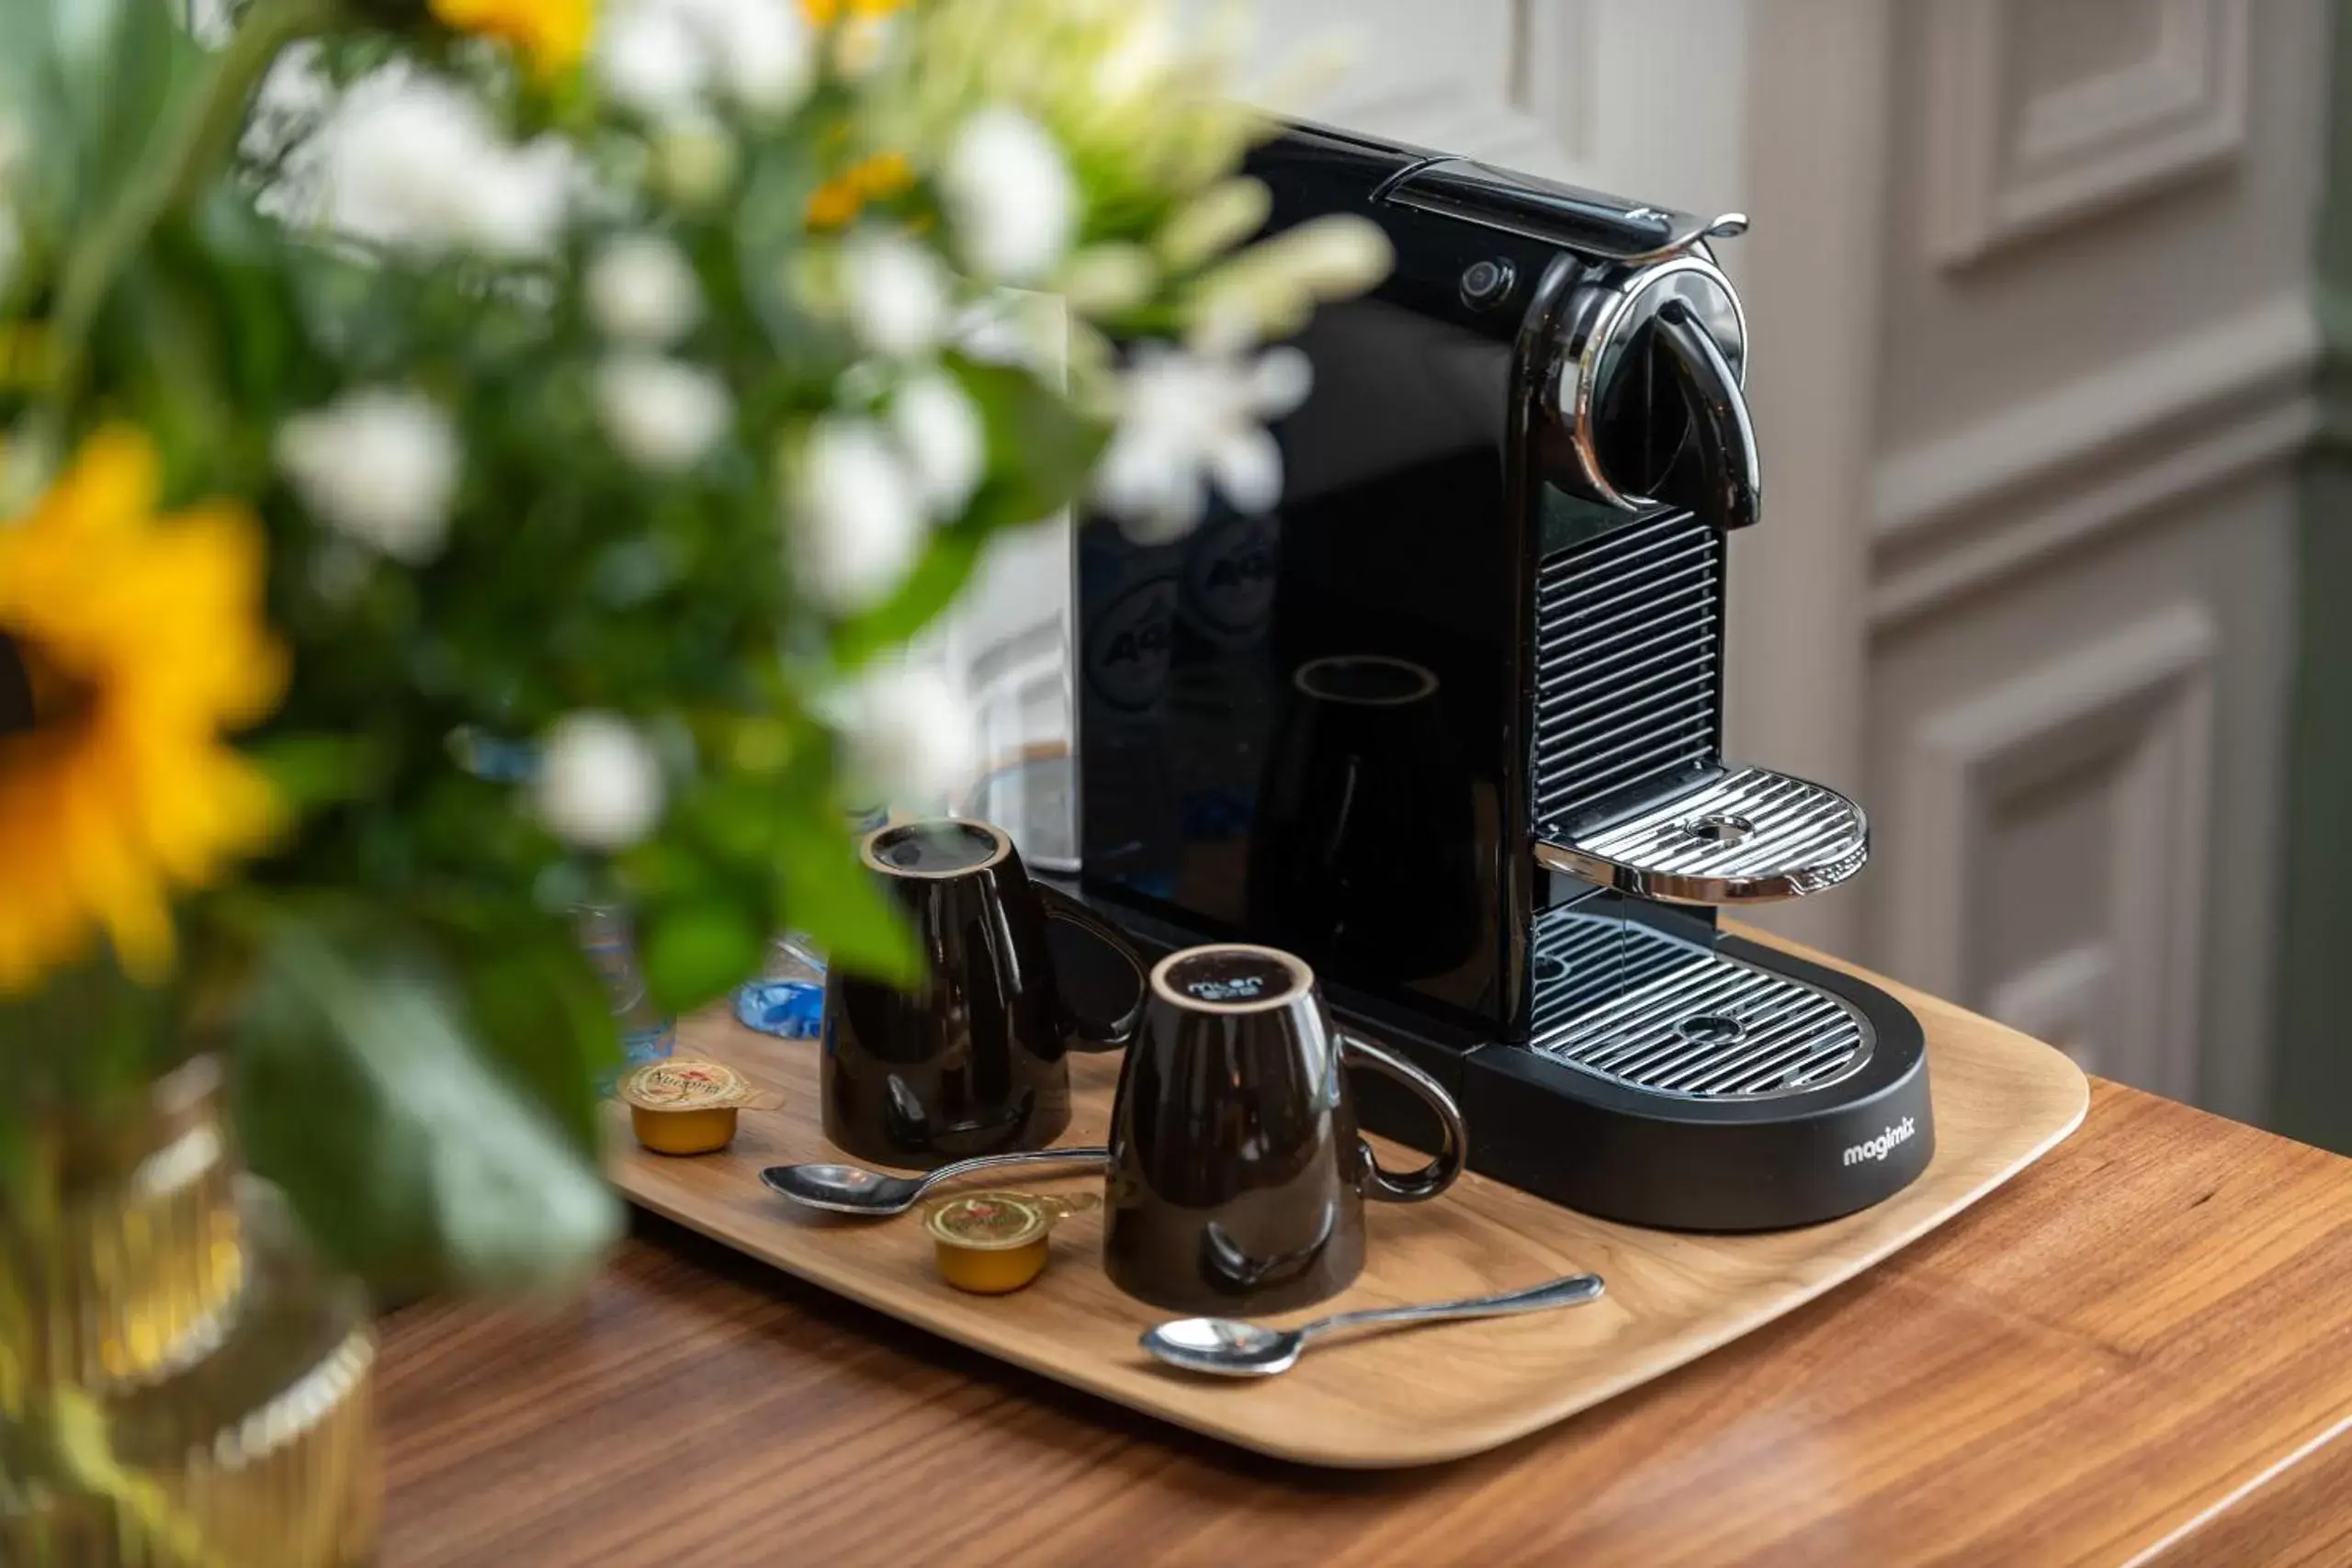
x=1447 y=722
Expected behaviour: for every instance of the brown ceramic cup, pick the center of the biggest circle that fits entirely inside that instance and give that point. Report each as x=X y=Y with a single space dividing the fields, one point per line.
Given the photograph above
x=973 y=1060
x=1237 y=1178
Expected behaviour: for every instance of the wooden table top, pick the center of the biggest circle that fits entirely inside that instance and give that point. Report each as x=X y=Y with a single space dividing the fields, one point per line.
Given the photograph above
x=2140 y=1349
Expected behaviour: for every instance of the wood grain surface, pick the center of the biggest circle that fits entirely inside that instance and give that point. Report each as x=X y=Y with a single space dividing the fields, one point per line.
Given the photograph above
x=1375 y=1401
x=2140 y=1349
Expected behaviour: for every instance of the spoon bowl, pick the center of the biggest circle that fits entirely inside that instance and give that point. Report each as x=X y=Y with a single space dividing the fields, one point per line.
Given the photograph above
x=1229 y=1347
x=1225 y=1346
x=852 y=1190
x=843 y=1188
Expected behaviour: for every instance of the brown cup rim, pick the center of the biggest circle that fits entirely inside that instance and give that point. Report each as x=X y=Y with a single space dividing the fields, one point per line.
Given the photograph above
x=1298 y=967
x=874 y=862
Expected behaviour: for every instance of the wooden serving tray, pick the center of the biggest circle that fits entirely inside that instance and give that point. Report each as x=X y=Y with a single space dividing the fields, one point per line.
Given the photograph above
x=1385 y=1400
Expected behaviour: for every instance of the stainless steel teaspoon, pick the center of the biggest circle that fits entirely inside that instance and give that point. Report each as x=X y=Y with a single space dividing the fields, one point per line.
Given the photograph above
x=852 y=1189
x=1236 y=1350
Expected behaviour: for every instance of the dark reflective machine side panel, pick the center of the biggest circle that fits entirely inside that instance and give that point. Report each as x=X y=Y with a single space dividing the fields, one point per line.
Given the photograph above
x=1299 y=725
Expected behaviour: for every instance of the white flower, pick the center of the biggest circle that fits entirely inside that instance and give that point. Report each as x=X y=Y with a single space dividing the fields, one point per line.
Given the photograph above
x=1332 y=256
x=766 y=53
x=1139 y=62
x=209 y=22
x=411 y=159
x=1269 y=290
x=660 y=57
x=641 y=289
x=1018 y=327
x=898 y=293
x=996 y=330
x=293 y=100
x=909 y=735
x=650 y=61
x=857 y=516
x=936 y=424
x=860 y=43
x=521 y=195
x=599 y=785
x=1009 y=196
x=378 y=464
x=1185 y=419
x=1102 y=280
x=664 y=414
x=693 y=162
x=1214 y=222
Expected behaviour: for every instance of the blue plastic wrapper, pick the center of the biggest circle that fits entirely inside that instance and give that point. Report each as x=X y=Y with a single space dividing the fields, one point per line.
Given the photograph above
x=794 y=1010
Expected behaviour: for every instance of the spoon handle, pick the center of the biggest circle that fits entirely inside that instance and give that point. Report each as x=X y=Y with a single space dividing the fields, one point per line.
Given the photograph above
x=1568 y=1291
x=1077 y=1155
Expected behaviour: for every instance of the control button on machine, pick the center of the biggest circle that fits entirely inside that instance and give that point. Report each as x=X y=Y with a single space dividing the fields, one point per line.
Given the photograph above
x=1486 y=283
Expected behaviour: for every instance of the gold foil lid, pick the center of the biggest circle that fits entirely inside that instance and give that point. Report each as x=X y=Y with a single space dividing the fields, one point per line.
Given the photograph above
x=996 y=1222
x=687 y=1085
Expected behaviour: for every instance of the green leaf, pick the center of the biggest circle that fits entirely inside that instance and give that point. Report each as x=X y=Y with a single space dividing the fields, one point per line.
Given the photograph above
x=170 y=362
x=311 y=771
x=1040 y=452
x=946 y=565
x=28 y=85
x=87 y=1033
x=1040 y=448
x=128 y=67
x=15 y=1150
x=410 y=1159
x=696 y=951
x=770 y=223
x=832 y=897
x=539 y=1011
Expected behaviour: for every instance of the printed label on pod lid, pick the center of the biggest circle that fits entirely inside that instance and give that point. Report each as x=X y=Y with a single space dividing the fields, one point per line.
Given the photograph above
x=687 y=1085
x=987 y=1222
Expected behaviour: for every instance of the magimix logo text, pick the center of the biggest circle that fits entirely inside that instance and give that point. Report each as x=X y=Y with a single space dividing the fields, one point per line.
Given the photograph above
x=1882 y=1146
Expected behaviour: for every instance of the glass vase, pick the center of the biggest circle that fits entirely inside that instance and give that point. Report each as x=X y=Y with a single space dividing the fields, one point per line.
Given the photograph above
x=163 y=1298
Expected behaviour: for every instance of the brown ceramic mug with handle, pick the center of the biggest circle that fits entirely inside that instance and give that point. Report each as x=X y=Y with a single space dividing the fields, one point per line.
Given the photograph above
x=972 y=1059
x=1238 y=1178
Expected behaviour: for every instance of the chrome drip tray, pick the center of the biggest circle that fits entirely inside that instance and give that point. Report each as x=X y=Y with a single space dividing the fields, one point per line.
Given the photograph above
x=1714 y=1028
x=1745 y=837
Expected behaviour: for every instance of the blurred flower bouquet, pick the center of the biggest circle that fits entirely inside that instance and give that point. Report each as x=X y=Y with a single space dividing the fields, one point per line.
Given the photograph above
x=465 y=459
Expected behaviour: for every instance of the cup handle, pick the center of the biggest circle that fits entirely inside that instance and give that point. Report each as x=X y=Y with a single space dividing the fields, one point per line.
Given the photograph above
x=1098 y=1034
x=1417 y=1186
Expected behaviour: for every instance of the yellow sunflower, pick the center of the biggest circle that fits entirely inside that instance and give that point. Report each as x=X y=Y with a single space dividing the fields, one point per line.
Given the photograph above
x=884 y=174
x=138 y=639
x=825 y=13
x=552 y=34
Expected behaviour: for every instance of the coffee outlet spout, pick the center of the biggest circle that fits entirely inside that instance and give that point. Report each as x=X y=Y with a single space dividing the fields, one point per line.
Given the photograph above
x=1726 y=485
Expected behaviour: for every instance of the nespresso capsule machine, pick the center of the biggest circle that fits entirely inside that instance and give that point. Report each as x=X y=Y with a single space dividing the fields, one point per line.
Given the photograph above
x=1448 y=720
